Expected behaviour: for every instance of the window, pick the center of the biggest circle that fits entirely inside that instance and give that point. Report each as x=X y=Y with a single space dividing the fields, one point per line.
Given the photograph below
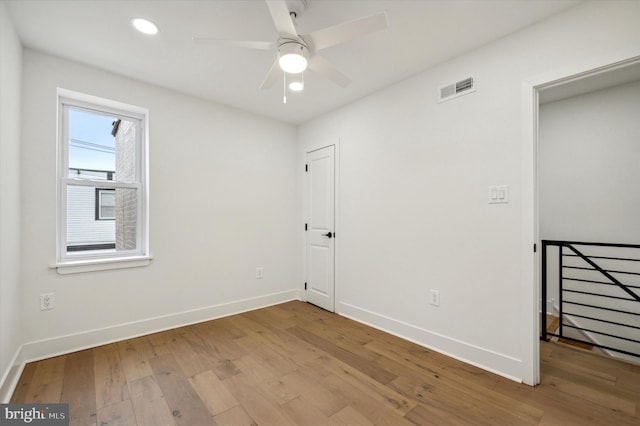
x=102 y=182
x=105 y=204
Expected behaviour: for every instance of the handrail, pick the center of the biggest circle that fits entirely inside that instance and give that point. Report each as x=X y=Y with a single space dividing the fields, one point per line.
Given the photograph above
x=583 y=243
x=584 y=297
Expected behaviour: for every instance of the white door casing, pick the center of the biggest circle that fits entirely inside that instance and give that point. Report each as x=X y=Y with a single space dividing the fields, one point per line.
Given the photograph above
x=320 y=234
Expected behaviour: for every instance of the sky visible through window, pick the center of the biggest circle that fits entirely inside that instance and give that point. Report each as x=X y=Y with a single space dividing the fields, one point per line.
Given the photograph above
x=91 y=145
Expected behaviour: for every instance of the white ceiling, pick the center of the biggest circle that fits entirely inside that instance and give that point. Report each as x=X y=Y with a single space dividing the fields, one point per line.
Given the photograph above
x=421 y=33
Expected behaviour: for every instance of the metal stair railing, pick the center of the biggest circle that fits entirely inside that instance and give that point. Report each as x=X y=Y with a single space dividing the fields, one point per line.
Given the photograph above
x=601 y=289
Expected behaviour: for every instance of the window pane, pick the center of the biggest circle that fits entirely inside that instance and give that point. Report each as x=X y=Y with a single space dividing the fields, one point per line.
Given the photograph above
x=106 y=204
x=84 y=231
x=92 y=150
x=101 y=146
x=87 y=232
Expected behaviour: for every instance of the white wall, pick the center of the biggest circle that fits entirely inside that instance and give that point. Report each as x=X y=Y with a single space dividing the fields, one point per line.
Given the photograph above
x=589 y=147
x=10 y=85
x=222 y=202
x=414 y=212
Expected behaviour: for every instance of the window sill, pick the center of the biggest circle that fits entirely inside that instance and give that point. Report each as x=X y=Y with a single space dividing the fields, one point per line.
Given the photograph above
x=92 y=265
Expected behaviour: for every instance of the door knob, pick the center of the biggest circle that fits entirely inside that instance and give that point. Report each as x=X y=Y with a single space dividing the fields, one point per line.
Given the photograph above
x=328 y=234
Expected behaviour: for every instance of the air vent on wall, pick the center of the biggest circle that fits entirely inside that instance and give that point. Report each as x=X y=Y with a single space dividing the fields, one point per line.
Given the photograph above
x=457 y=89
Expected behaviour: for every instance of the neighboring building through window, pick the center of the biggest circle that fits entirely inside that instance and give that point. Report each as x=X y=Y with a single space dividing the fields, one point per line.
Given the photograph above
x=102 y=179
x=105 y=204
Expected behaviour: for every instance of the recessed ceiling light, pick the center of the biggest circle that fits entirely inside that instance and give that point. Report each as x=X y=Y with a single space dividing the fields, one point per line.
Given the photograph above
x=144 y=26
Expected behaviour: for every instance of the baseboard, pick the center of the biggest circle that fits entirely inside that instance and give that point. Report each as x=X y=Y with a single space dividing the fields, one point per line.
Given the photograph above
x=9 y=380
x=486 y=359
x=60 y=345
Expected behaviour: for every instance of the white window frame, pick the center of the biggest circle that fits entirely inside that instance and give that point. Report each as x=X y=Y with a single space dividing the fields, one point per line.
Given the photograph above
x=72 y=262
x=99 y=193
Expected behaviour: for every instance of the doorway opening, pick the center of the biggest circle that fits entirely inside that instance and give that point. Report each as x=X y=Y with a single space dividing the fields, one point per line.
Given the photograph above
x=543 y=97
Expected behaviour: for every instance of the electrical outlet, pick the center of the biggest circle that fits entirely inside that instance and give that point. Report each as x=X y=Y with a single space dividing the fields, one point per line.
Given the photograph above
x=47 y=301
x=435 y=298
x=259 y=272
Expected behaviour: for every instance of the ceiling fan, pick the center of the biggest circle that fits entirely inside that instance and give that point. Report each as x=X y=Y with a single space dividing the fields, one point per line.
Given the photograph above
x=296 y=52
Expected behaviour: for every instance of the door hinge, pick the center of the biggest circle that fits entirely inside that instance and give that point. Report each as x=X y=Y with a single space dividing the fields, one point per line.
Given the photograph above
x=305 y=226
x=306 y=167
x=535 y=248
x=305 y=286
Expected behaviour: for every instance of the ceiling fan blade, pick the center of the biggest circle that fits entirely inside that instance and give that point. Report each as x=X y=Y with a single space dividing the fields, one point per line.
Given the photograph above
x=326 y=69
x=248 y=44
x=346 y=31
x=281 y=18
x=272 y=76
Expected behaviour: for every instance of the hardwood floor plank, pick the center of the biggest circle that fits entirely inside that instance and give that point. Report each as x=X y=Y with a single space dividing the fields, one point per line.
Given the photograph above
x=629 y=382
x=429 y=416
x=149 y=404
x=21 y=392
x=47 y=381
x=273 y=317
x=562 y=408
x=160 y=342
x=185 y=405
x=590 y=359
x=348 y=416
x=363 y=402
x=78 y=389
x=301 y=383
x=261 y=350
x=260 y=406
x=574 y=384
x=304 y=412
x=213 y=393
x=236 y=416
x=134 y=356
x=604 y=378
x=116 y=414
x=111 y=384
x=219 y=339
x=265 y=378
x=283 y=342
x=451 y=400
x=454 y=376
x=383 y=394
x=183 y=351
x=355 y=360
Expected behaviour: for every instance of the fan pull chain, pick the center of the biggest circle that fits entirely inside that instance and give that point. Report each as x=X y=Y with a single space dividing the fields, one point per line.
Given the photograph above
x=284 y=88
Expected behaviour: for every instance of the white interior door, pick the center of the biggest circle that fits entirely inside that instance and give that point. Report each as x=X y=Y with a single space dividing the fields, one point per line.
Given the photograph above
x=320 y=241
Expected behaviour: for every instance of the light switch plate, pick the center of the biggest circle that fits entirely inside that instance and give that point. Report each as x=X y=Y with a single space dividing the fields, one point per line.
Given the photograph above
x=498 y=194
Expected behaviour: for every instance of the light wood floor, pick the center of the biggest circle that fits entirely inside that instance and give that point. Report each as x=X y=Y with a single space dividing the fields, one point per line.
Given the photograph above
x=552 y=327
x=294 y=364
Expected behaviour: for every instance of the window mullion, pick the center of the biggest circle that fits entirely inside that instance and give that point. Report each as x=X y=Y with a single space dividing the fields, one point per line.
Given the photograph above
x=101 y=183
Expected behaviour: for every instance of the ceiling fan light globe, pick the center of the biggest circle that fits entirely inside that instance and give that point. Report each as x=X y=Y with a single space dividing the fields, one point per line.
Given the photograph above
x=292 y=57
x=296 y=86
x=144 y=26
x=292 y=63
